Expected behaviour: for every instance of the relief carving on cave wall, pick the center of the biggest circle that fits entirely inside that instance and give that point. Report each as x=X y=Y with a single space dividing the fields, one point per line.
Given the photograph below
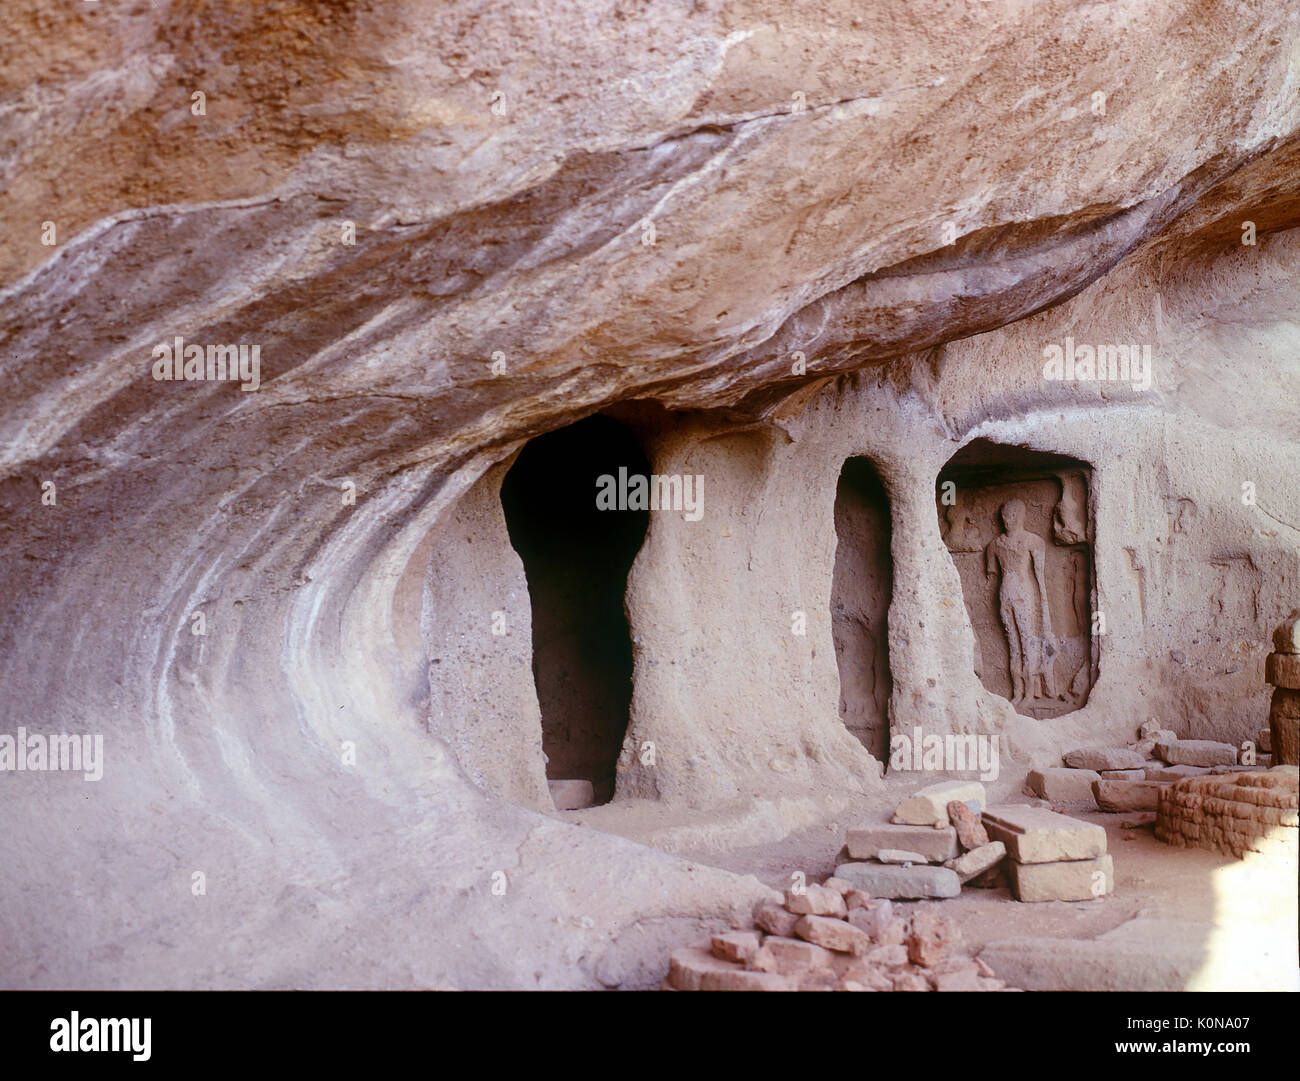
x=1017 y=526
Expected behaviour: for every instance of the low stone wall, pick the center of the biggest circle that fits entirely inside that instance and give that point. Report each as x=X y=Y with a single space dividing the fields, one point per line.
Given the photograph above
x=1236 y=814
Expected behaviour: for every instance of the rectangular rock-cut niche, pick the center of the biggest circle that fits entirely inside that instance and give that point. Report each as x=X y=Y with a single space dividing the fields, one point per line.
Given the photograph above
x=1018 y=524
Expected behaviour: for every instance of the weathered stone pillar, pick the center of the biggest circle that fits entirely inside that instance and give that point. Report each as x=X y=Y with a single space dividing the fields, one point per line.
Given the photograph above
x=1282 y=669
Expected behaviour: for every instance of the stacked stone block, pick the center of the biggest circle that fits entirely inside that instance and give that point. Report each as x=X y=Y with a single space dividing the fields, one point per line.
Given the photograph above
x=933 y=845
x=1051 y=857
x=1282 y=669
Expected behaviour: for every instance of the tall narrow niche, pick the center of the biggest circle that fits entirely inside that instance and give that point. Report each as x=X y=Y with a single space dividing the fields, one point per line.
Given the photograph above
x=861 y=585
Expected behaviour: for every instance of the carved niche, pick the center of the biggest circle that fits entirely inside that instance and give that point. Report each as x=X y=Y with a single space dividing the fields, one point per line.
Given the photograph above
x=860 y=593
x=1018 y=526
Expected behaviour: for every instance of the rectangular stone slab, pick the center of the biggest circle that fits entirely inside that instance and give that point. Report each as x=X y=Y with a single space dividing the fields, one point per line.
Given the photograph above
x=929 y=805
x=1100 y=758
x=1036 y=835
x=897 y=855
x=867 y=842
x=1116 y=796
x=1065 y=964
x=1060 y=784
x=1197 y=752
x=1070 y=880
x=901 y=883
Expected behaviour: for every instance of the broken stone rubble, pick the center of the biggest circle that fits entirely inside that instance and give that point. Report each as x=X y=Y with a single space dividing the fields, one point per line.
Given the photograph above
x=875 y=919
x=815 y=901
x=839 y=936
x=870 y=950
x=832 y=934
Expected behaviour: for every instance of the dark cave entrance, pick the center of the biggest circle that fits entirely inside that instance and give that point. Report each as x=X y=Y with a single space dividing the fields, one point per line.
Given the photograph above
x=861 y=586
x=576 y=558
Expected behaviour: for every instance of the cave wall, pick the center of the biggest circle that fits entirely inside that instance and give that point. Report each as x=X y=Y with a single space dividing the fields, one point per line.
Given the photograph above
x=482 y=698
x=1188 y=577
x=293 y=842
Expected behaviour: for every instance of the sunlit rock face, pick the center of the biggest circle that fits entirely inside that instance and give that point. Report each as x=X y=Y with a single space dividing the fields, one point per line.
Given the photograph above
x=766 y=239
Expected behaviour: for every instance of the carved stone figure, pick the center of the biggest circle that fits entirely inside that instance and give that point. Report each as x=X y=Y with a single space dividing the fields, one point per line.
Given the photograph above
x=962 y=533
x=1018 y=558
x=1070 y=519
